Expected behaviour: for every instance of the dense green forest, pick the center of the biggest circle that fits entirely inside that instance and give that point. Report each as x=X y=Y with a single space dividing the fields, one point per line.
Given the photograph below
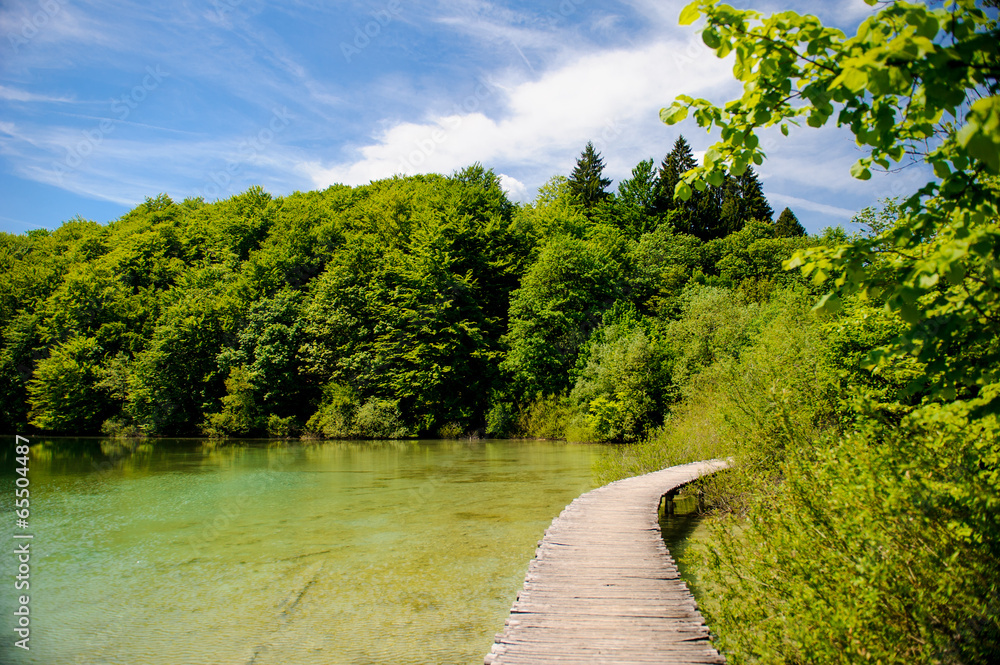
x=854 y=380
x=417 y=306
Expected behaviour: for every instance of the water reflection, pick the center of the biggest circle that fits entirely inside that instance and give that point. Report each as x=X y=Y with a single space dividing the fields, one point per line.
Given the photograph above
x=679 y=524
x=187 y=551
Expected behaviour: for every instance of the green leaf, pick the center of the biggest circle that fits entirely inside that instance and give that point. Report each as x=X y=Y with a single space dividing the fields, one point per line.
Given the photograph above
x=828 y=304
x=690 y=13
x=981 y=134
x=941 y=169
x=860 y=171
x=909 y=313
x=851 y=78
x=673 y=114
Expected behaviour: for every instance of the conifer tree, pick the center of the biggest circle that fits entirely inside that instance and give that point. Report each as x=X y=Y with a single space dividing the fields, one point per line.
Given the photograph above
x=679 y=160
x=635 y=203
x=701 y=214
x=788 y=225
x=743 y=200
x=587 y=183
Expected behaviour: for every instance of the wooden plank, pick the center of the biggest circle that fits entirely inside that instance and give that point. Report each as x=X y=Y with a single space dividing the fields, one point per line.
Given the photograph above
x=603 y=588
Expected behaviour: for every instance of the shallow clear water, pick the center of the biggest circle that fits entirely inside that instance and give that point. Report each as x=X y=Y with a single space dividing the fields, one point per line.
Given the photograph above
x=181 y=551
x=684 y=528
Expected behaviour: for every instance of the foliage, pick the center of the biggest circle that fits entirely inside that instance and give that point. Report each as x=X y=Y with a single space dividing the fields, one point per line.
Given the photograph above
x=662 y=263
x=743 y=200
x=558 y=306
x=587 y=183
x=63 y=393
x=890 y=563
x=625 y=385
x=553 y=213
x=501 y=418
x=240 y=413
x=721 y=208
x=913 y=83
x=787 y=225
x=547 y=417
x=890 y=406
x=410 y=306
x=635 y=206
x=699 y=214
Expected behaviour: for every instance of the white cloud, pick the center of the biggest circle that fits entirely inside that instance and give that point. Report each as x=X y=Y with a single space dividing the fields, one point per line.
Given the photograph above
x=602 y=96
x=849 y=12
x=812 y=206
x=14 y=95
x=516 y=190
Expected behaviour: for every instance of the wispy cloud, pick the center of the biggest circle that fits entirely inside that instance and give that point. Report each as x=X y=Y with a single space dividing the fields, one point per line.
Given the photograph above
x=543 y=119
x=437 y=86
x=812 y=206
x=15 y=95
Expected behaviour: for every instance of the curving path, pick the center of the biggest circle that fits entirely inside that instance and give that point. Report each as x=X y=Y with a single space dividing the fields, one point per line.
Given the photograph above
x=603 y=588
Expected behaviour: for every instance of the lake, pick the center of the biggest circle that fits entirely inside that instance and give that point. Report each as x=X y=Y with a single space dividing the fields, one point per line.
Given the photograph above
x=259 y=552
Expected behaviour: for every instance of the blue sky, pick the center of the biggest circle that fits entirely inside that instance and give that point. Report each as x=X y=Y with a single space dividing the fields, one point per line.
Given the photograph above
x=106 y=102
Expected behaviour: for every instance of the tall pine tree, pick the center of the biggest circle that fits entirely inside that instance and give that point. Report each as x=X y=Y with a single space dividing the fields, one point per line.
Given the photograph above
x=587 y=183
x=679 y=160
x=699 y=215
x=743 y=200
x=788 y=225
x=635 y=205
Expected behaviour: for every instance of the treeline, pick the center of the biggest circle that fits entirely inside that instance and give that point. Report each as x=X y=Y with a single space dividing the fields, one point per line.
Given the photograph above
x=416 y=306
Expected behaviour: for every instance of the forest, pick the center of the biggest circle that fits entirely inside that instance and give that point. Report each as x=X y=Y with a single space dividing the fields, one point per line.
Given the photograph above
x=417 y=306
x=853 y=378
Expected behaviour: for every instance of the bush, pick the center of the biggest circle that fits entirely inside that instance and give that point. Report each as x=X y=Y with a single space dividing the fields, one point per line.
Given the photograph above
x=379 y=419
x=545 y=418
x=879 y=546
x=501 y=421
x=281 y=428
x=239 y=413
x=623 y=387
x=341 y=416
x=335 y=416
x=451 y=430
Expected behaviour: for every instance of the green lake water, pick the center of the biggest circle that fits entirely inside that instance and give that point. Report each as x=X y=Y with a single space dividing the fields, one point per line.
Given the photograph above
x=257 y=553
x=682 y=529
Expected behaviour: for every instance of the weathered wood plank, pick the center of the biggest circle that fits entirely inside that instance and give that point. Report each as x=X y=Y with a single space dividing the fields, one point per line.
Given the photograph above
x=603 y=588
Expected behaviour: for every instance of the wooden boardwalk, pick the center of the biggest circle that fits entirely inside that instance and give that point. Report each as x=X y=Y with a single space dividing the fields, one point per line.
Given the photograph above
x=603 y=588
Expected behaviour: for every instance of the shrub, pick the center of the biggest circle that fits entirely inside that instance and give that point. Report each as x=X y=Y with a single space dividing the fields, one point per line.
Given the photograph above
x=545 y=418
x=501 y=421
x=335 y=416
x=379 y=419
x=281 y=428
x=879 y=546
